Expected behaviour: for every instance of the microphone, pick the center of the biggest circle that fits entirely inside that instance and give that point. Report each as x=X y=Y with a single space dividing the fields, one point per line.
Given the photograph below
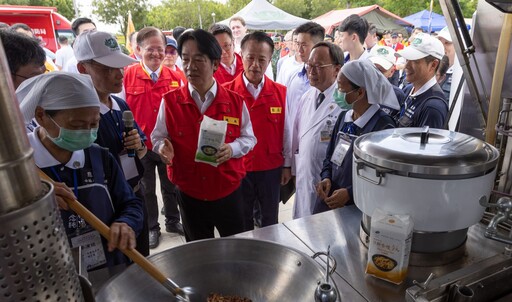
x=128 y=122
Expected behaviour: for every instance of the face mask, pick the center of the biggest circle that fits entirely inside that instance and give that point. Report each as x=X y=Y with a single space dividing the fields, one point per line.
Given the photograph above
x=74 y=140
x=339 y=99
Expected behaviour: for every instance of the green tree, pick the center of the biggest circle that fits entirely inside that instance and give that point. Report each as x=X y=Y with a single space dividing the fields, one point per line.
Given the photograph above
x=297 y=8
x=116 y=12
x=64 y=7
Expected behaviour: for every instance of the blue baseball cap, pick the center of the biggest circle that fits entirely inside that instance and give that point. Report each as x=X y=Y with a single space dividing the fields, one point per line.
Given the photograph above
x=171 y=42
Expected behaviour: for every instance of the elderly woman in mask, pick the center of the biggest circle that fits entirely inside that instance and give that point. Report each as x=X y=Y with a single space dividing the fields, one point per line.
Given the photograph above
x=67 y=110
x=361 y=88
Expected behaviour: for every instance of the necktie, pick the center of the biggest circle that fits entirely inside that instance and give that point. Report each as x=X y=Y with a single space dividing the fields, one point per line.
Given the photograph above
x=350 y=128
x=319 y=100
x=154 y=77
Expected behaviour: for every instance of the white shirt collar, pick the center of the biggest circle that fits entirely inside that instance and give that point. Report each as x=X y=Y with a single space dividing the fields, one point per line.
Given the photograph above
x=425 y=87
x=44 y=159
x=104 y=108
x=232 y=68
x=149 y=71
x=209 y=96
x=255 y=91
x=363 y=119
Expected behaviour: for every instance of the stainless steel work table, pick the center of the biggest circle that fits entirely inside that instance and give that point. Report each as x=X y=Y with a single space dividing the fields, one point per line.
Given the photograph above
x=340 y=229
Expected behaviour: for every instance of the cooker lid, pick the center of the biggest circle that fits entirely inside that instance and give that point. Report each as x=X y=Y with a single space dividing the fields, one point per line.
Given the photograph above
x=426 y=151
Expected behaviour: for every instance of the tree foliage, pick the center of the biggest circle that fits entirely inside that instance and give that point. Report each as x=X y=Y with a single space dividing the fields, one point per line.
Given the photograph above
x=116 y=12
x=64 y=7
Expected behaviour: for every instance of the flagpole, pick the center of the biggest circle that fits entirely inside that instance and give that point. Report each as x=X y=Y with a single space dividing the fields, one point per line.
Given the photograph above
x=430 y=16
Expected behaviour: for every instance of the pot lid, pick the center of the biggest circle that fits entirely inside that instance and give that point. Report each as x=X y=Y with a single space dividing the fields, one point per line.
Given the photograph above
x=426 y=152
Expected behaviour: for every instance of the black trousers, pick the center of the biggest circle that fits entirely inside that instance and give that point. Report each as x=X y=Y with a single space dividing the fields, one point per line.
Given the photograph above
x=261 y=187
x=143 y=238
x=201 y=217
x=150 y=162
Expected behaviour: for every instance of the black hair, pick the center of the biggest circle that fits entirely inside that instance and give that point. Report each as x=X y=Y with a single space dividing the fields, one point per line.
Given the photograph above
x=335 y=52
x=150 y=31
x=315 y=30
x=21 y=50
x=372 y=29
x=79 y=21
x=23 y=26
x=177 y=31
x=444 y=65
x=63 y=39
x=355 y=24
x=206 y=43
x=430 y=59
x=4 y=25
x=217 y=29
x=259 y=37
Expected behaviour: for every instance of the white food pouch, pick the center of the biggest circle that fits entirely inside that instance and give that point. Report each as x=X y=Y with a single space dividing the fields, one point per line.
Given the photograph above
x=211 y=137
x=390 y=246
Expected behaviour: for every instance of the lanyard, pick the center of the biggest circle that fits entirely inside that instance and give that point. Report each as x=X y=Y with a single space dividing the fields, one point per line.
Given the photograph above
x=75 y=179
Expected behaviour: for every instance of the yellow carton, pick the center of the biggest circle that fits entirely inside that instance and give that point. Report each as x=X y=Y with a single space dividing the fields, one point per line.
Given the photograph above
x=390 y=246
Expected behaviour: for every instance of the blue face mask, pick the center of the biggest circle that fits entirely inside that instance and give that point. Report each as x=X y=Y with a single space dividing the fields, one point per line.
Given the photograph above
x=340 y=100
x=74 y=140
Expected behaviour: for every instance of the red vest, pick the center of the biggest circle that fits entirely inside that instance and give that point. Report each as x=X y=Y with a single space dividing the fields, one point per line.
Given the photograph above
x=222 y=76
x=144 y=97
x=183 y=118
x=267 y=117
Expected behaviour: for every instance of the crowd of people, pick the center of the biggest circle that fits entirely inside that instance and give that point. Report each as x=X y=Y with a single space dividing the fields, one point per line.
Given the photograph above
x=292 y=106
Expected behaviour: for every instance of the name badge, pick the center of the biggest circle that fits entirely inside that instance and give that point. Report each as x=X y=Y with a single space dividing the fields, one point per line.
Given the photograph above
x=175 y=84
x=326 y=132
x=232 y=120
x=129 y=167
x=341 y=149
x=93 y=254
x=276 y=110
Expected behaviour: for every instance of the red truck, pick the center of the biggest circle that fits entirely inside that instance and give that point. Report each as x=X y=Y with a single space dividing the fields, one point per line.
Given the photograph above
x=45 y=22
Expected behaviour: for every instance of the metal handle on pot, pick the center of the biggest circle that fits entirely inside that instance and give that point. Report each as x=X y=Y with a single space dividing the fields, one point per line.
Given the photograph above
x=360 y=165
x=331 y=258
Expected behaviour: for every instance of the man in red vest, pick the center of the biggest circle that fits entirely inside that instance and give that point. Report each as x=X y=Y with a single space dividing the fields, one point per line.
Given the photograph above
x=210 y=197
x=145 y=84
x=266 y=101
x=230 y=62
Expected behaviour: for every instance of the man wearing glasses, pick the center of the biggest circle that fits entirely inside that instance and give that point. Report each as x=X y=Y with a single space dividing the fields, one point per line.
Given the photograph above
x=145 y=84
x=316 y=115
x=230 y=62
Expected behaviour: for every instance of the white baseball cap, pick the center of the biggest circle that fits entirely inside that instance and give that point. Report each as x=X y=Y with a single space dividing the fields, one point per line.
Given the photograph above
x=101 y=47
x=445 y=34
x=383 y=55
x=423 y=45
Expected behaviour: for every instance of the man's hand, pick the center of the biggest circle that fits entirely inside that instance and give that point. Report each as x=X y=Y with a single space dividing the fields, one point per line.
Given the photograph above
x=166 y=152
x=121 y=236
x=338 y=199
x=132 y=140
x=286 y=175
x=224 y=154
x=61 y=192
x=323 y=188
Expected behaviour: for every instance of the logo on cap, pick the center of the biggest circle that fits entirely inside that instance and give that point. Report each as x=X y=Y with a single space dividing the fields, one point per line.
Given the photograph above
x=112 y=44
x=417 y=41
x=383 y=51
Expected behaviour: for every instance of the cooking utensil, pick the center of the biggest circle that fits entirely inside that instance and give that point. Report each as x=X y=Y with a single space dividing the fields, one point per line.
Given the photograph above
x=259 y=270
x=325 y=292
x=182 y=294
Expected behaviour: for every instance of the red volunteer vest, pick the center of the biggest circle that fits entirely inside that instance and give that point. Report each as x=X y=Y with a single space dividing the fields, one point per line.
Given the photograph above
x=267 y=117
x=222 y=76
x=183 y=118
x=144 y=97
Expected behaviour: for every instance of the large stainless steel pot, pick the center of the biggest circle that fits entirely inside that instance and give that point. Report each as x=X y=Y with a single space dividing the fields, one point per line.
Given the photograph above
x=260 y=270
x=437 y=177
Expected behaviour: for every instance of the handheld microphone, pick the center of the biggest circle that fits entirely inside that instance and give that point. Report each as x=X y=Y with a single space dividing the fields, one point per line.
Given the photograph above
x=128 y=122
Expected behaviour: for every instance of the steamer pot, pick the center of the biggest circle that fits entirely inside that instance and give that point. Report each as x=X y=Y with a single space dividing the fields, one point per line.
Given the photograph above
x=436 y=176
x=259 y=270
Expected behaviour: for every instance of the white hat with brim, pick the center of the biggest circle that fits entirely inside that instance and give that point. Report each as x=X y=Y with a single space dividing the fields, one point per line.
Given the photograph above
x=422 y=46
x=101 y=47
x=383 y=56
x=445 y=34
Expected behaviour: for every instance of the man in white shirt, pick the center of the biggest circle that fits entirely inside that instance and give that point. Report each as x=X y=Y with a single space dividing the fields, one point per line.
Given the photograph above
x=354 y=31
x=64 y=54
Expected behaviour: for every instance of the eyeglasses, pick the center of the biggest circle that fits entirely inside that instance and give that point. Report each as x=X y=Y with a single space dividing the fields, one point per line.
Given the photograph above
x=227 y=47
x=171 y=51
x=153 y=50
x=316 y=67
x=43 y=69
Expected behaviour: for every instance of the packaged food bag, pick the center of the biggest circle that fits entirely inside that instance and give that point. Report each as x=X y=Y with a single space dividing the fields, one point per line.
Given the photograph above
x=390 y=246
x=211 y=137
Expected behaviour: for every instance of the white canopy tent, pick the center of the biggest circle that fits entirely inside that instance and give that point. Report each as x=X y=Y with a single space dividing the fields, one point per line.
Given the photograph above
x=260 y=14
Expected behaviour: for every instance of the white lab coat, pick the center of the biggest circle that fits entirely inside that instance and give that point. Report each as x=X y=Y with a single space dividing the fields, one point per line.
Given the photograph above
x=310 y=138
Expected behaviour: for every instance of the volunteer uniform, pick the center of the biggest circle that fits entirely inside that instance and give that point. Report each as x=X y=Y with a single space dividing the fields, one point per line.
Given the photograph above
x=225 y=74
x=337 y=166
x=426 y=107
x=311 y=136
x=110 y=135
x=267 y=107
x=99 y=184
x=210 y=196
x=144 y=96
